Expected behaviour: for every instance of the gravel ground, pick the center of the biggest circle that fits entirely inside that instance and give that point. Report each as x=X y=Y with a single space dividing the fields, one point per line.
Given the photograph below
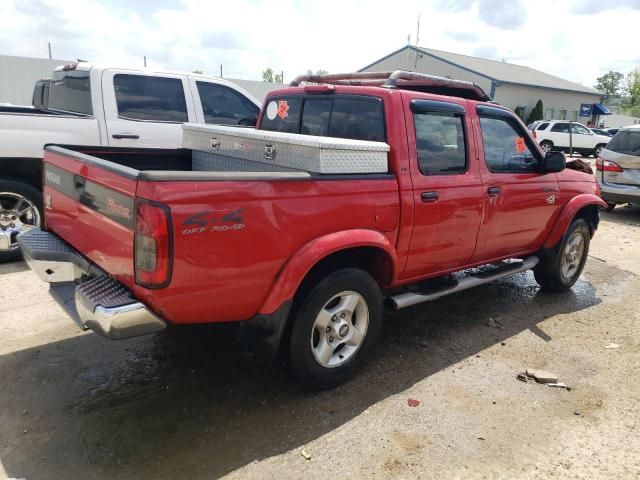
x=195 y=404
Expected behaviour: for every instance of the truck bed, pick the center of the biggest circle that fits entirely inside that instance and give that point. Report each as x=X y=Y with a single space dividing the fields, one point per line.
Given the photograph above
x=230 y=231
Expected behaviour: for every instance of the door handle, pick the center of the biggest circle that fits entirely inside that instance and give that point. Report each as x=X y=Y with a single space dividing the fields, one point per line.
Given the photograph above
x=428 y=197
x=119 y=136
x=493 y=190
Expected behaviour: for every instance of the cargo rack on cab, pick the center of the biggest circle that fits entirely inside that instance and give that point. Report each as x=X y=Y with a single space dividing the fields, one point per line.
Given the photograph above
x=401 y=79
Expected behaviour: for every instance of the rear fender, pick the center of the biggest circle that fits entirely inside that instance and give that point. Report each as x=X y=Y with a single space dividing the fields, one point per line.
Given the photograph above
x=567 y=215
x=297 y=267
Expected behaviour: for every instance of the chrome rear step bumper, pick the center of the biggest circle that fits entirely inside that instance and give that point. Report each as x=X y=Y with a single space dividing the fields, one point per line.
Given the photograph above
x=93 y=299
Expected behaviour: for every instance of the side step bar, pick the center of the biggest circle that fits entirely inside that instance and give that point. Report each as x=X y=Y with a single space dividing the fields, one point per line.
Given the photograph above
x=408 y=299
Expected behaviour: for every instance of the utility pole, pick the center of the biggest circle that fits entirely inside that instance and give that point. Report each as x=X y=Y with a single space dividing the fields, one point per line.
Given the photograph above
x=49 y=44
x=282 y=76
x=418 y=32
x=220 y=70
x=145 y=60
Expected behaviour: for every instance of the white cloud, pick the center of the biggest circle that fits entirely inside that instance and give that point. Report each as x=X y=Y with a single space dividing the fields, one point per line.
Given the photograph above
x=246 y=36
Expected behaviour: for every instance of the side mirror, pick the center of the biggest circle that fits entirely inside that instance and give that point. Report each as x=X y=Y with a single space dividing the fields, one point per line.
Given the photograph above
x=554 y=162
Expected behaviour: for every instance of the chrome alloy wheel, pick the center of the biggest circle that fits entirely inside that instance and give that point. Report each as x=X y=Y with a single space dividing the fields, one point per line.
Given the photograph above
x=17 y=214
x=546 y=148
x=339 y=329
x=572 y=256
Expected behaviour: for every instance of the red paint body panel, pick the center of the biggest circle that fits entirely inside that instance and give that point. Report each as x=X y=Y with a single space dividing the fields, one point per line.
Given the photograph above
x=285 y=227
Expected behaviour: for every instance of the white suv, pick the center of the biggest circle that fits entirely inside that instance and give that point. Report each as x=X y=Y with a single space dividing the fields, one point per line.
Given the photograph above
x=554 y=135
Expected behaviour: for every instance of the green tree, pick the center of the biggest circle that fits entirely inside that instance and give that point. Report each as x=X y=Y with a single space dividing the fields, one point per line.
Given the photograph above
x=632 y=88
x=537 y=113
x=268 y=75
x=610 y=83
x=519 y=111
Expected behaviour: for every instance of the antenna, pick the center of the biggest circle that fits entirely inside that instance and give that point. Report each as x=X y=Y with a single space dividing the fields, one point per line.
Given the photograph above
x=418 y=32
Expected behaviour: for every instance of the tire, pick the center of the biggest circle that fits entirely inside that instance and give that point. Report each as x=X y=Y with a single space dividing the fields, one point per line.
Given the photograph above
x=611 y=206
x=596 y=151
x=546 y=146
x=560 y=270
x=11 y=192
x=325 y=348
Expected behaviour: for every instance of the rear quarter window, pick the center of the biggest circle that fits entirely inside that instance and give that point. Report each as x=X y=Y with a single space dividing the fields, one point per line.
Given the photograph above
x=626 y=142
x=543 y=126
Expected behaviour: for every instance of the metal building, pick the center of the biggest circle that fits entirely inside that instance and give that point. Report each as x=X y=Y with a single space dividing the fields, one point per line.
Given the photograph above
x=509 y=84
x=18 y=76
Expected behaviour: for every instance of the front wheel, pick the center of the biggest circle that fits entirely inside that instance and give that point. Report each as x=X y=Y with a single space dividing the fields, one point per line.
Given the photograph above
x=20 y=210
x=335 y=327
x=559 y=272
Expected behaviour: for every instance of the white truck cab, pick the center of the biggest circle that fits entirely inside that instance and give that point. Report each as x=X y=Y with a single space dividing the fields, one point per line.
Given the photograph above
x=90 y=104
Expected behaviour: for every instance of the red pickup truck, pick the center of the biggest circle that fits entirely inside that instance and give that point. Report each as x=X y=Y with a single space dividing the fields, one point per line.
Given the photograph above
x=136 y=239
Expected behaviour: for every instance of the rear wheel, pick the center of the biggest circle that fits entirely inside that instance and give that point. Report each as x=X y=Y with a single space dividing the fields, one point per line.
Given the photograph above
x=558 y=273
x=335 y=328
x=546 y=146
x=20 y=210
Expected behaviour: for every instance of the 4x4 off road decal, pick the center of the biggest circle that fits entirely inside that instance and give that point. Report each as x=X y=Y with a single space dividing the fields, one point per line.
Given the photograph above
x=214 y=221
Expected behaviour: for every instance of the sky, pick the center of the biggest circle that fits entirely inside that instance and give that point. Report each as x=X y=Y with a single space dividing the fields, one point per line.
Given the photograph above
x=578 y=40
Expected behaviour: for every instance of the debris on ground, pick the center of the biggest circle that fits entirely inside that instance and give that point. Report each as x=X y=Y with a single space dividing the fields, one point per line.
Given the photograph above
x=559 y=385
x=523 y=377
x=577 y=412
x=612 y=346
x=541 y=376
x=305 y=454
x=494 y=324
x=412 y=402
x=424 y=343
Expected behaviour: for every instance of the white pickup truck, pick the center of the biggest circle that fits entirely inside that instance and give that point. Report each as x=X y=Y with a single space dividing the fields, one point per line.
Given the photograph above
x=85 y=104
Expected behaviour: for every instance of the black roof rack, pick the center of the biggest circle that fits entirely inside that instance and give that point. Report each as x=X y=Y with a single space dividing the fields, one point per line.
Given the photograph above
x=401 y=79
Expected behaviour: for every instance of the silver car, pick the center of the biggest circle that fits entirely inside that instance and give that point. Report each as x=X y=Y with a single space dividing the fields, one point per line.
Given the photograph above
x=618 y=168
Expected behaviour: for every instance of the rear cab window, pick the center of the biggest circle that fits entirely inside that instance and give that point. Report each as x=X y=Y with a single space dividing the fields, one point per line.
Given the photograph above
x=70 y=91
x=341 y=116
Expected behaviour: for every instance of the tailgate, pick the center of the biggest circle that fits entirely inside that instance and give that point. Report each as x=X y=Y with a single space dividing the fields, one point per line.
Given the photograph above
x=90 y=203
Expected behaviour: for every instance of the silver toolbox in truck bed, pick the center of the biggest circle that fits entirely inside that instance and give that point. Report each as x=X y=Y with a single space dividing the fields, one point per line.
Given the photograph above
x=222 y=147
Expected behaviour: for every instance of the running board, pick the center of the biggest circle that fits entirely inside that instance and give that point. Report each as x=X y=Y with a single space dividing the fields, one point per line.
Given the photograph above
x=407 y=299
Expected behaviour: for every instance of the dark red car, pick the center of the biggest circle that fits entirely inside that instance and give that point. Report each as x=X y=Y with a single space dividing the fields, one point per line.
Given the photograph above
x=136 y=239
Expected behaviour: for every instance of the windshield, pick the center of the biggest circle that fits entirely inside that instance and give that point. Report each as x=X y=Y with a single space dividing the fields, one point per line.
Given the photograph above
x=70 y=92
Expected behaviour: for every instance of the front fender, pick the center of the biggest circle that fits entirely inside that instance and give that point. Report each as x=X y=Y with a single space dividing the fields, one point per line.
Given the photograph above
x=568 y=213
x=302 y=261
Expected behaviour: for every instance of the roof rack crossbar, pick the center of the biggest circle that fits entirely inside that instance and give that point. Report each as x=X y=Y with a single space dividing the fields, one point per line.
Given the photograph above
x=398 y=79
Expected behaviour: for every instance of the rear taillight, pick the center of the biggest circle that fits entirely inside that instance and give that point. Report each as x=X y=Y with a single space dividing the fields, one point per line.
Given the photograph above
x=153 y=247
x=535 y=135
x=607 y=166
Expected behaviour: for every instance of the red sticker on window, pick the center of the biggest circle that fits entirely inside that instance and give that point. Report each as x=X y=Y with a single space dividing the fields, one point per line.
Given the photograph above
x=520 y=145
x=283 y=109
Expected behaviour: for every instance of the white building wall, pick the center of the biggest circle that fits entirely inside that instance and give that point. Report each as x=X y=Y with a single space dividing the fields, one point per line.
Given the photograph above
x=411 y=60
x=18 y=76
x=512 y=96
x=617 y=121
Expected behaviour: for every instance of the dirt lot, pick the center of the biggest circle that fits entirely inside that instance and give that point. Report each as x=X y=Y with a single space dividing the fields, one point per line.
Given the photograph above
x=195 y=404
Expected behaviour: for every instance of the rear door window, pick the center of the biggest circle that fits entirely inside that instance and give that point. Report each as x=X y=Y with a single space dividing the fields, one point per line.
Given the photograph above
x=440 y=143
x=346 y=116
x=225 y=106
x=560 y=128
x=626 y=142
x=70 y=92
x=147 y=98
